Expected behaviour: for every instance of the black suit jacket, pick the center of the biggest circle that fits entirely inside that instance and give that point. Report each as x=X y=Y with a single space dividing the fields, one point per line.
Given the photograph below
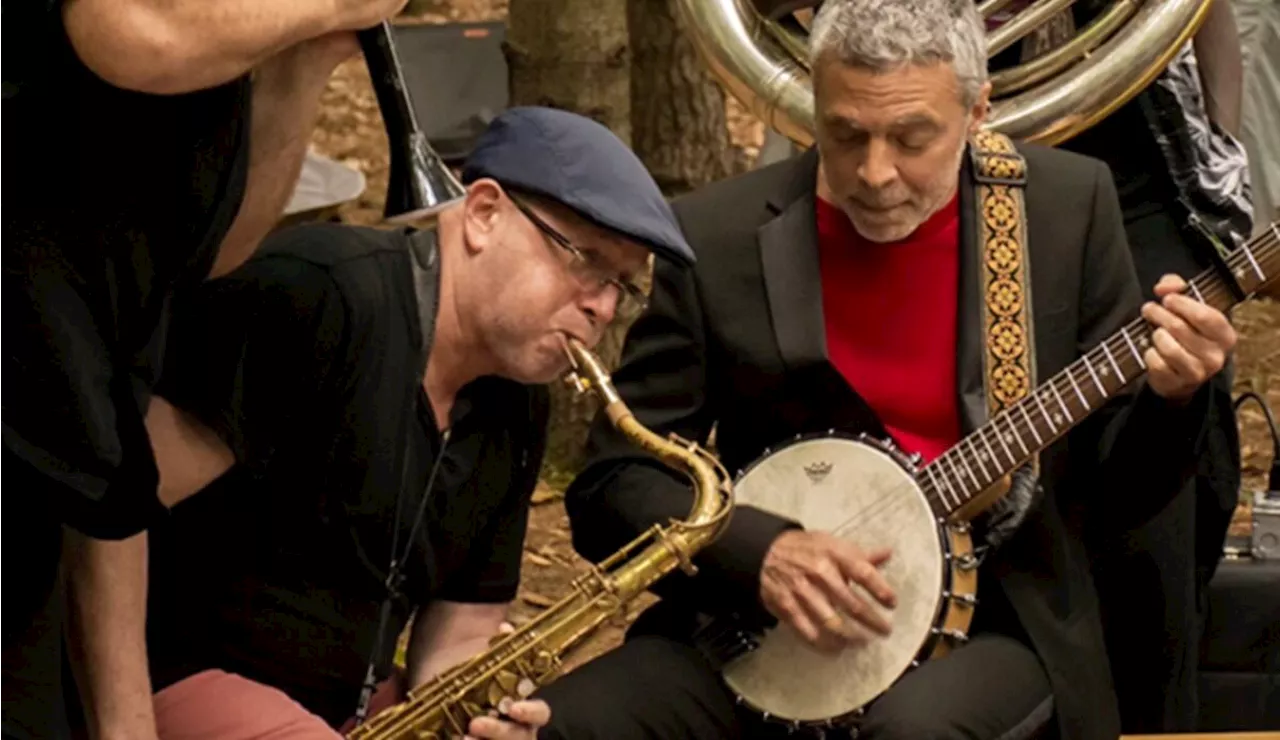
x=738 y=343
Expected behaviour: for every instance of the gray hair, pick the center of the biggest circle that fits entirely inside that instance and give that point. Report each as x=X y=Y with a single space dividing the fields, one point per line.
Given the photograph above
x=882 y=35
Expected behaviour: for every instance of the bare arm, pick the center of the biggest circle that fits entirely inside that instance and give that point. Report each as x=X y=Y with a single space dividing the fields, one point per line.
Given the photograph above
x=107 y=637
x=166 y=47
x=107 y=586
x=1221 y=64
x=286 y=101
x=108 y=580
x=446 y=633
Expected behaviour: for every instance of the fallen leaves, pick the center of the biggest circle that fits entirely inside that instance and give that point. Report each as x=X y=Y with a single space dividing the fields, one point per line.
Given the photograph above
x=546 y=494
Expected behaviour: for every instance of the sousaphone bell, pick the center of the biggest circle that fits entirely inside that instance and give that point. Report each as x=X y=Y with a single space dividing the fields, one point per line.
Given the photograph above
x=762 y=60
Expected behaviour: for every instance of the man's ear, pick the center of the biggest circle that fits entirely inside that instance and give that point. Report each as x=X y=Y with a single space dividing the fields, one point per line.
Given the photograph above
x=482 y=210
x=981 y=109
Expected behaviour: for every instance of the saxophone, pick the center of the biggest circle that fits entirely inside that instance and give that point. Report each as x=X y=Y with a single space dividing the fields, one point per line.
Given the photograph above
x=518 y=662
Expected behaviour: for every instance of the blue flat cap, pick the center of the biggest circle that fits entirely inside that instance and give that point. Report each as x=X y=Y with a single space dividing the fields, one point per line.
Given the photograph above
x=573 y=160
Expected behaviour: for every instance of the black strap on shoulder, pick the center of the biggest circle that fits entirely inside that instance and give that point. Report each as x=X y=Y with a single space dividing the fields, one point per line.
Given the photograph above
x=424 y=253
x=424 y=261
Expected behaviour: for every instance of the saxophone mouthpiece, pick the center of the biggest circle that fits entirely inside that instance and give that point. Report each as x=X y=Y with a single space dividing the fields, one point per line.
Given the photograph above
x=574 y=378
x=565 y=340
x=587 y=372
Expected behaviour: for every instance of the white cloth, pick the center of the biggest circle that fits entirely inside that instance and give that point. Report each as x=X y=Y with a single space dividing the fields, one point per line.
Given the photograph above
x=1259 y=25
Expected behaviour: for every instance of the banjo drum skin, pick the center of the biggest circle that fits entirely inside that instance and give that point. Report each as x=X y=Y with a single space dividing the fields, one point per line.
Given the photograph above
x=862 y=490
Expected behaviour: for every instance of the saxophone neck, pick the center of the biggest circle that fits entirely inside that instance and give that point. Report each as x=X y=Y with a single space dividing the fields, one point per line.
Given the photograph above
x=713 y=492
x=587 y=374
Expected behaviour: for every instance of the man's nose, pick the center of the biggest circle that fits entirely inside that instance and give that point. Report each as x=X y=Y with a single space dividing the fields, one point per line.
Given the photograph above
x=878 y=168
x=601 y=305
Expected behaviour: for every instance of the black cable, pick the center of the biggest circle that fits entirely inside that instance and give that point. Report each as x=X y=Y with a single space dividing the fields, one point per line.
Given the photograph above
x=1273 y=480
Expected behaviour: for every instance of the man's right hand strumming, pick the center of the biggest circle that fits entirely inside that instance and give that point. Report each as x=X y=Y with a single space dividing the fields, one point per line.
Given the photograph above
x=807 y=582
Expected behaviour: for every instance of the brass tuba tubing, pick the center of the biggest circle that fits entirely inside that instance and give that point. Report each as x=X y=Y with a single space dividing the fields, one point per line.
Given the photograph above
x=763 y=71
x=1108 y=78
x=1023 y=76
x=1027 y=21
x=419 y=184
x=988 y=8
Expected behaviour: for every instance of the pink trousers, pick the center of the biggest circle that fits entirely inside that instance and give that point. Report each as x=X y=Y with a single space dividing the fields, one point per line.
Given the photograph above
x=216 y=705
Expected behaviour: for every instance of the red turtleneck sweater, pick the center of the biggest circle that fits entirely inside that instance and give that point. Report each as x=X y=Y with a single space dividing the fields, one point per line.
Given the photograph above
x=890 y=314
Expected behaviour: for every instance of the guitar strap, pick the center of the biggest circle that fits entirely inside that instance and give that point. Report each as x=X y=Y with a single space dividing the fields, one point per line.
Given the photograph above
x=1008 y=357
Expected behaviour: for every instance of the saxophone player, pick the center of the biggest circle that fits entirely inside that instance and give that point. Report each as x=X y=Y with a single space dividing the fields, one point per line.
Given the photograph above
x=148 y=145
x=381 y=394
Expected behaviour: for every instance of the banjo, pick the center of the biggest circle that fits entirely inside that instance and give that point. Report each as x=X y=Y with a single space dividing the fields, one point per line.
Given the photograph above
x=868 y=492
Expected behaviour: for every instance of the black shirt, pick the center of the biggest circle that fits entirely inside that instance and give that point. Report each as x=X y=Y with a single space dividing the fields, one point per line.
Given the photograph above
x=114 y=200
x=309 y=361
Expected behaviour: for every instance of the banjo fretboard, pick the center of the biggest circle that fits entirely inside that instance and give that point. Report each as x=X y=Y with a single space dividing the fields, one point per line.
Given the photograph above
x=1013 y=436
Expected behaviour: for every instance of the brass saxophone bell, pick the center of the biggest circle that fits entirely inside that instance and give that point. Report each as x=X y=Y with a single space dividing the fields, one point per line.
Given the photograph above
x=420 y=183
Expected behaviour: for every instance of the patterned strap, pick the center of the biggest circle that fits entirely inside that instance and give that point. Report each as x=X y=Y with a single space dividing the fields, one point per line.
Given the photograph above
x=1008 y=359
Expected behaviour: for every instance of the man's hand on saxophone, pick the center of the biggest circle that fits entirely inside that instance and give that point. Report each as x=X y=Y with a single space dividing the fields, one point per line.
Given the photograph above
x=448 y=634
x=519 y=720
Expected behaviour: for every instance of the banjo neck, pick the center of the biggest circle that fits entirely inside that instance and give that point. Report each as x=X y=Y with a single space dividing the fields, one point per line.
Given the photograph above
x=967 y=473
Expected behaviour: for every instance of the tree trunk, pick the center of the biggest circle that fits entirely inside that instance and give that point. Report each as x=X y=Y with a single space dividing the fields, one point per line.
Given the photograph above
x=573 y=55
x=677 y=108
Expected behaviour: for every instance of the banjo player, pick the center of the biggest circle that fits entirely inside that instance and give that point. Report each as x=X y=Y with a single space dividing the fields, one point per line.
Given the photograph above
x=843 y=296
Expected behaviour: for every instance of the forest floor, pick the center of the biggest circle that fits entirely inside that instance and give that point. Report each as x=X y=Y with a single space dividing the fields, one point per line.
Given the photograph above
x=350 y=131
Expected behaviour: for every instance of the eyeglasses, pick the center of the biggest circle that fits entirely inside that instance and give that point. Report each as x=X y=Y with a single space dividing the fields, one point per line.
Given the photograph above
x=588 y=269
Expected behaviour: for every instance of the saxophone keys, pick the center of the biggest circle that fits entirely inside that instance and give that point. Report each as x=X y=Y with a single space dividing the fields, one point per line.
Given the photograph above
x=504 y=684
x=545 y=662
x=525 y=688
x=504 y=704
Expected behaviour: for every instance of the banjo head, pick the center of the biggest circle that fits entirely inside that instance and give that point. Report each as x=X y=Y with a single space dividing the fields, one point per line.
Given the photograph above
x=859 y=492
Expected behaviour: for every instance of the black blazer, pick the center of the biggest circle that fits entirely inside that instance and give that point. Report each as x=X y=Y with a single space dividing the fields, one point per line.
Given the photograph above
x=738 y=343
